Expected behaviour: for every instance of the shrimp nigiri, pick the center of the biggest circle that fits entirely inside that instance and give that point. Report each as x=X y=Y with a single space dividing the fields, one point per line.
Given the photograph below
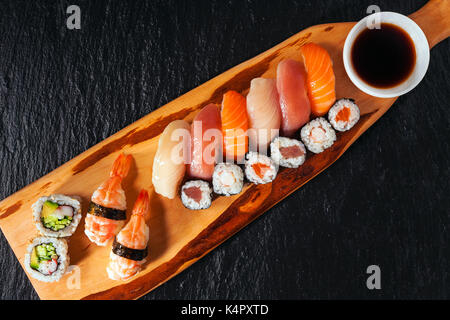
x=169 y=164
x=129 y=250
x=294 y=102
x=320 y=80
x=234 y=125
x=107 y=210
x=206 y=143
x=263 y=109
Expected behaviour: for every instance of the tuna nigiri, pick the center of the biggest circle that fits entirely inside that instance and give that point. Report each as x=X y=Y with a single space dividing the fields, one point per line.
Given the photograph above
x=206 y=143
x=234 y=125
x=129 y=249
x=169 y=164
x=320 y=79
x=263 y=109
x=294 y=102
x=107 y=211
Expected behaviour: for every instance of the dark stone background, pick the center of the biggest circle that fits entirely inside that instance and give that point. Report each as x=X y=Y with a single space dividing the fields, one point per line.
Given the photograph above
x=385 y=202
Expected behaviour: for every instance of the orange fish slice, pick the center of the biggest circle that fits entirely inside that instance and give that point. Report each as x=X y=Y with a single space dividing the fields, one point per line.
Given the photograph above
x=320 y=78
x=234 y=125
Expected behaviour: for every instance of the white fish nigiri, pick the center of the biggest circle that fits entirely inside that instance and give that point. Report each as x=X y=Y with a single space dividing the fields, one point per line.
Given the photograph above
x=169 y=164
x=263 y=109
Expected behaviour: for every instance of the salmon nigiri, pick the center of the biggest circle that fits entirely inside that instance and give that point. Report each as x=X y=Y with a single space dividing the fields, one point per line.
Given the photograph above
x=107 y=211
x=234 y=125
x=294 y=102
x=169 y=164
x=129 y=249
x=206 y=143
x=263 y=109
x=320 y=79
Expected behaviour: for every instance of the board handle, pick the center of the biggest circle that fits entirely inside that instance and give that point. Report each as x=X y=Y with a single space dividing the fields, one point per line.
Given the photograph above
x=434 y=19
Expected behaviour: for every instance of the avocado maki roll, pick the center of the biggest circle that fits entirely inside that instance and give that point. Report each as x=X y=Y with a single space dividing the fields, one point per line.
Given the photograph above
x=47 y=259
x=57 y=215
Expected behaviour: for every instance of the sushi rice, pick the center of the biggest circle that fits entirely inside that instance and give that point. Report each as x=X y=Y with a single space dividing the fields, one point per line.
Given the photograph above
x=318 y=135
x=60 y=226
x=344 y=114
x=228 y=179
x=43 y=267
x=259 y=168
x=196 y=195
x=287 y=152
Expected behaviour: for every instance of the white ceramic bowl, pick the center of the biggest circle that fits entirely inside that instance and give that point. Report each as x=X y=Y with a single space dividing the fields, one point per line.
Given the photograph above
x=420 y=44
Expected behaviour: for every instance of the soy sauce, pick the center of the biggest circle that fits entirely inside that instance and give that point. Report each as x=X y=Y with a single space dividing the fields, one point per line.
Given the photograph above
x=384 y=57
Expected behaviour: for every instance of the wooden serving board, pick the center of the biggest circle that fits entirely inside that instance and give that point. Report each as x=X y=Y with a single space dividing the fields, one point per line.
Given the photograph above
x=179 y=237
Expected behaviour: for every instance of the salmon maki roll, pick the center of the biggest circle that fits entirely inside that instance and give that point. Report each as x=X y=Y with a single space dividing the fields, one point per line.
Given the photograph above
x=129 y=250
x=344 y=114
x=320 y=80
x=169 y=164
x=294 y=102
x=107 y=210
x=264 y=115
x=234 y=126
x=260 y=169
x=206 y=143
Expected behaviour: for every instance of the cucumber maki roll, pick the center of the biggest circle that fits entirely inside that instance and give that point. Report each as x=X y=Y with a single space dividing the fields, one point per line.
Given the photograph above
x=57 y=215
x=47 y=259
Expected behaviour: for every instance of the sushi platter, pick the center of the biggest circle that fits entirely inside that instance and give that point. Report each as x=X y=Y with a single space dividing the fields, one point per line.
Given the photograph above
x=174 y=222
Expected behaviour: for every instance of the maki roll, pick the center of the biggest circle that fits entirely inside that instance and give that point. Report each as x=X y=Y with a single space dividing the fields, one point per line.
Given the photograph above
x=318 y=135
x=57 y=215
x=259 y=168
x=47 y=259
x=228 y=179
x=196 y=195
x=287 y=152
x=344 y=114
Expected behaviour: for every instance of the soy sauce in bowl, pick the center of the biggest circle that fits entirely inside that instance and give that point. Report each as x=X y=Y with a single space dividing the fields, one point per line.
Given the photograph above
x=385 y=57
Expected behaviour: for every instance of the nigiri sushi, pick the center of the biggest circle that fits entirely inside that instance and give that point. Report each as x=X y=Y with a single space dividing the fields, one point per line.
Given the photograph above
x=294 y=102
x=107 y=211
x=234 y=125
x=169 y=164
x=320 y=79
x=264 y=115
x=129 y=249
x=206 y=145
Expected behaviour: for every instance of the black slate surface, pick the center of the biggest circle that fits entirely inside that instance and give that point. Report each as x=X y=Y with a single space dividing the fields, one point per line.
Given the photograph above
x=385 y=202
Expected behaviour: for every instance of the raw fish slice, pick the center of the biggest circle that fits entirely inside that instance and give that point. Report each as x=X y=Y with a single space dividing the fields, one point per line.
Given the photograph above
x=320 y=79
x=134 y=236
x=169 y=164
x=294 y=102
x=263 y=109
x=206 y=143
x=234 y=125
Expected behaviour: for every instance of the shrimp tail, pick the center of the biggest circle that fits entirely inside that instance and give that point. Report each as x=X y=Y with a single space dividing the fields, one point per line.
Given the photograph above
x=121 y=166
x=142 y=204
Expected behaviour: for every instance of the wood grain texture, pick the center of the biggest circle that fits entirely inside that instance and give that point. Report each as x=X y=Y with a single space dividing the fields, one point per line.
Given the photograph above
x=209 y=230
